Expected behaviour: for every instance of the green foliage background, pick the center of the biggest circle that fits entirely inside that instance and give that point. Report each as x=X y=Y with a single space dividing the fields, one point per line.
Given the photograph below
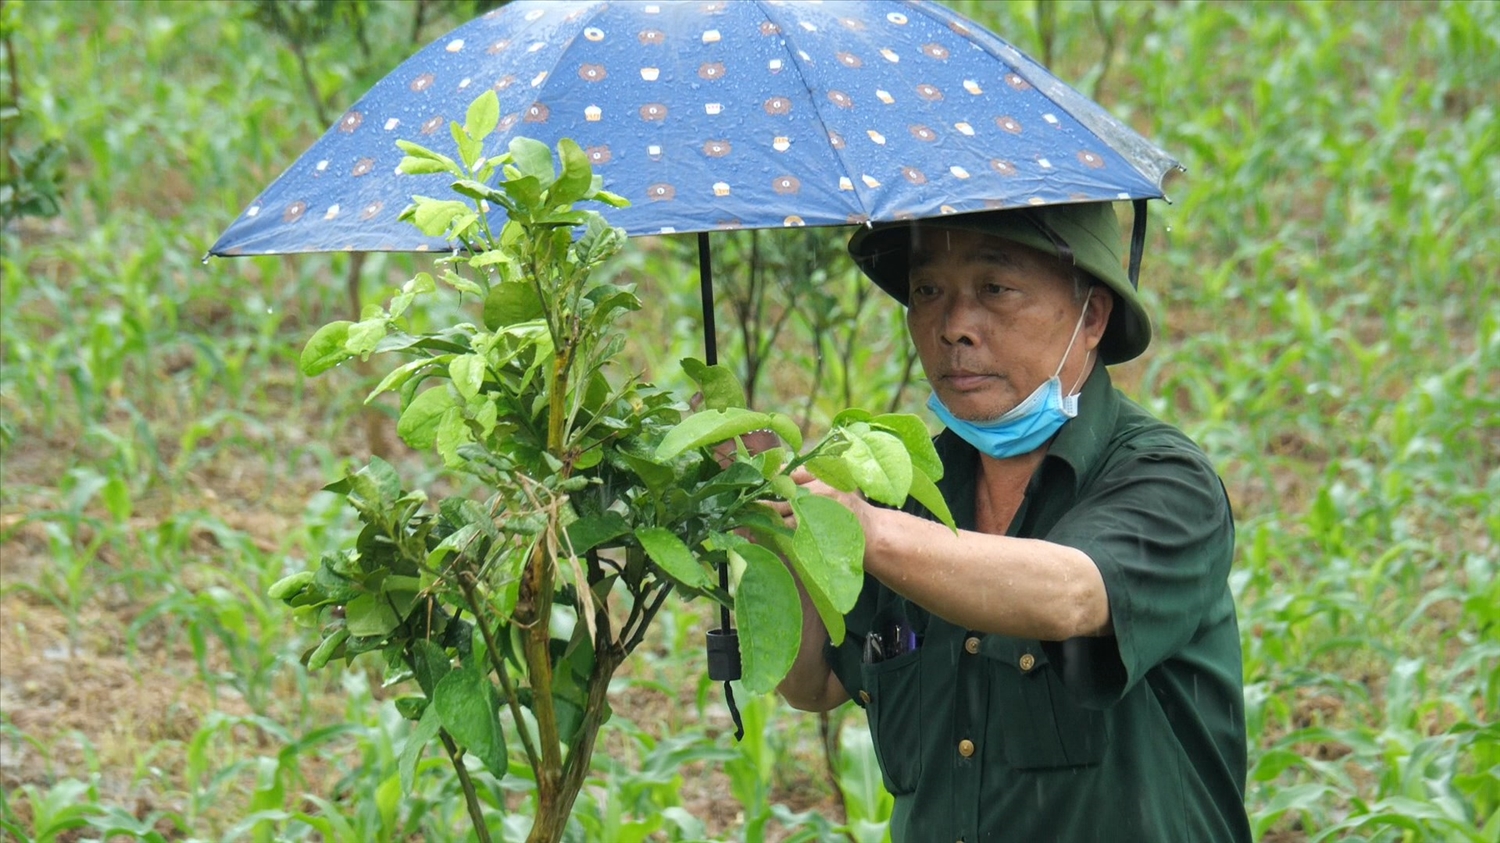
x=1327 y=287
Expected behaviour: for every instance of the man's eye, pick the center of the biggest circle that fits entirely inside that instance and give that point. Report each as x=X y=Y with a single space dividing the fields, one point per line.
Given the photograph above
x=923 y=290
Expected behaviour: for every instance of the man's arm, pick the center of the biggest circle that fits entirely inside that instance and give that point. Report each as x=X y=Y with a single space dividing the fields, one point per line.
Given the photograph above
x=811 y=685
x=1025 y=588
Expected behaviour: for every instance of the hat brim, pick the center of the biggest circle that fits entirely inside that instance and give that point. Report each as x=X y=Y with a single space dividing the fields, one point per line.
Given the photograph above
x=1089 y=235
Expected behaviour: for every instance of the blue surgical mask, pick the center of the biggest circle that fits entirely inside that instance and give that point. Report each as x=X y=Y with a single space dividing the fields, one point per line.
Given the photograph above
x=1026 y=426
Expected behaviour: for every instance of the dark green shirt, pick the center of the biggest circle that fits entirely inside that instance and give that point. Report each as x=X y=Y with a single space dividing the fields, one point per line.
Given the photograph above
x=1139 y=736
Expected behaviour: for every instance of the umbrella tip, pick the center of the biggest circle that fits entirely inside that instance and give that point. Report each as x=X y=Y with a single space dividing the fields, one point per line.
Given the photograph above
x=204 y=260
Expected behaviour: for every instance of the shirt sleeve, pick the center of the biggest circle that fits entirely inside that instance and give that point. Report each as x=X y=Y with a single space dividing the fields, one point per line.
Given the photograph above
x=1157 y=524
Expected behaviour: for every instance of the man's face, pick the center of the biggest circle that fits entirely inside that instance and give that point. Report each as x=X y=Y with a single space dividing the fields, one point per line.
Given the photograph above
x=991 y=320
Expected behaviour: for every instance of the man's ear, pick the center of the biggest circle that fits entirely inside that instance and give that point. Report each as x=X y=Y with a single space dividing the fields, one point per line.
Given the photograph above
x=1100 y=305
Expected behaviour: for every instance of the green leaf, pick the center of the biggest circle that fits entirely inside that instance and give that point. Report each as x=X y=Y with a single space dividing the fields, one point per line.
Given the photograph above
x=401 y=374
x=721 y=389
x=325 y=349
x=452 y=433
x=534 y=160
x=879 y=463
x=370 y=616
x=709 y=427
x=850 y=416
x=430 y=663
x=290 y=586
x=589 y=532
x=467 y=372
x=829 y=548
x=577 y=174
x=462 y=284
x=365 y=335
x=483 y=115
x=928 y=495
x=416 y=151
x=672 y=556
x=786 y=427
x=411 y=751
x=511 y=303
x=418 y=425
x=434 y=216
x=413 y=166
x=833 y=471
x=468 y=707
x=768 y=608
x=913 y=434
x=326 y=650
x=614 y=200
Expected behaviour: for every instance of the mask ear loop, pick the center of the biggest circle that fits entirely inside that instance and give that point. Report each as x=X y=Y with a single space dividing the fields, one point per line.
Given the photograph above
x=1077 y=326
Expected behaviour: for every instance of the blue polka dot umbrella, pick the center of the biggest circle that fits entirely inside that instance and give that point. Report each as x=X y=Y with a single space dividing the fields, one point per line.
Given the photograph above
x=719 y=115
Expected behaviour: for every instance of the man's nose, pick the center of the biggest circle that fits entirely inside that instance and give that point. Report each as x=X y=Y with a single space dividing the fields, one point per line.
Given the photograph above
x=960 y=322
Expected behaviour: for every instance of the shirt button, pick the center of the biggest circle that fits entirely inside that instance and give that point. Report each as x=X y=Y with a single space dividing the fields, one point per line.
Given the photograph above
x=864 y=697
x=971 y=646
x=966 y=747
x=1028 y=661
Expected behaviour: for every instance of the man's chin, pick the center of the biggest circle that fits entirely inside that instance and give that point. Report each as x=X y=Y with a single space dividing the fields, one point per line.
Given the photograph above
x=974 y=408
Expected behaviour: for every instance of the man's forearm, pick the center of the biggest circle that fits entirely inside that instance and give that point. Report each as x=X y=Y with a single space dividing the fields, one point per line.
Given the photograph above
x=1025 y=588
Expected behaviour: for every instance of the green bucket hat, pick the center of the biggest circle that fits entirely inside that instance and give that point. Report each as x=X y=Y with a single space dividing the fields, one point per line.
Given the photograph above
x=1086 y=235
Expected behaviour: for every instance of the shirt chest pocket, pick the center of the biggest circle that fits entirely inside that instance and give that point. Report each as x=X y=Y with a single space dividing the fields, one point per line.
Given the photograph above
x=1032 y=713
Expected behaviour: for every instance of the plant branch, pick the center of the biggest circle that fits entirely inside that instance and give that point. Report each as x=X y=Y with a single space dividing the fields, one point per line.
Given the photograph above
x=471 y=796
x=643 y=621
x=465 y=582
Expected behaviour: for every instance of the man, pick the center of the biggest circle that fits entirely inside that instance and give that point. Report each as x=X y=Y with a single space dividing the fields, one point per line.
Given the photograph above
x=1067 y=666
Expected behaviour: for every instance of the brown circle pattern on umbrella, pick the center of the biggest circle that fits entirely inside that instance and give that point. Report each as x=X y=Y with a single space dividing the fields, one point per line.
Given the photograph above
x=1091 y=160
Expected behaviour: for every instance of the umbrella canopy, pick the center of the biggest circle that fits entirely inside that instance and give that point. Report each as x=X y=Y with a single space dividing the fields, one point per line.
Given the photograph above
x=714 y=115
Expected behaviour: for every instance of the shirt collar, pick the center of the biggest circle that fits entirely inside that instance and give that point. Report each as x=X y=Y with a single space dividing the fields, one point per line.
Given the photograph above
x=1078 y=446
x=1081 y=442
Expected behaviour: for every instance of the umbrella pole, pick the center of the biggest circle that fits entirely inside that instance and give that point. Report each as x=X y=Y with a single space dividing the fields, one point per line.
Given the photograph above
x=723 y=643
x=1137 y=241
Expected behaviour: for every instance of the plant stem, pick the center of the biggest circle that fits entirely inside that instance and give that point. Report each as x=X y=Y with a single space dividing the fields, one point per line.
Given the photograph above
x=607 y=657
x=471 y=796
x=498 y=663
